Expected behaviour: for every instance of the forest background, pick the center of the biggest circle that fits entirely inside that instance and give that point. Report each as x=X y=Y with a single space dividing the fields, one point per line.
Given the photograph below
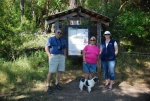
x=23 y=61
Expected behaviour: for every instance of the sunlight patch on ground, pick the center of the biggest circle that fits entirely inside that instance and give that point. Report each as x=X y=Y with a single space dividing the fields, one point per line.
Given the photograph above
x=40 y=86
x=137 y=60
x=20 y=97
x=147 y=64
x=70 y=75
x=134 y=91
x=3 y=77
x=66 y=77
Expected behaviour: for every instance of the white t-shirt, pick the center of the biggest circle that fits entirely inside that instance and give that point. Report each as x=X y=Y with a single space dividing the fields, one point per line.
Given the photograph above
x=115 y=44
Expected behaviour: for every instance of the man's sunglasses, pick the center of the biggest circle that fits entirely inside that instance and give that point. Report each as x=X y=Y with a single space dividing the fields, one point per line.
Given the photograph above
x=59 y=32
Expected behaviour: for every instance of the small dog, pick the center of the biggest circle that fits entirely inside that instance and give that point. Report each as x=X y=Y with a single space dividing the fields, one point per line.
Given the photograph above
x=88 y=83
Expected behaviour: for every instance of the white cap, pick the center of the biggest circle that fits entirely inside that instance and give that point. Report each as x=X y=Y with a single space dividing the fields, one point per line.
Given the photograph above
x=106 y=32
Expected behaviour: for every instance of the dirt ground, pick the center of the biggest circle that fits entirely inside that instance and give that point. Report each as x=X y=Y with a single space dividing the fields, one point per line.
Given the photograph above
x=122 y=91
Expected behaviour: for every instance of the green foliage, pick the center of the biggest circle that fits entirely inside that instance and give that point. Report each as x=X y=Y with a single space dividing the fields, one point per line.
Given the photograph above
x=23 y=71
x=134 y=25
x=93 y=5
x=74 y=63
x=130 y=21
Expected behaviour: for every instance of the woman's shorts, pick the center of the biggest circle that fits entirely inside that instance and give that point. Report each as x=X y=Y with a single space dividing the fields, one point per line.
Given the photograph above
x=88 y=67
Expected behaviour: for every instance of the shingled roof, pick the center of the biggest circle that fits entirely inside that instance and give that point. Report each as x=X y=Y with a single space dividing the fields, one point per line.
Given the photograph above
x=78 y=13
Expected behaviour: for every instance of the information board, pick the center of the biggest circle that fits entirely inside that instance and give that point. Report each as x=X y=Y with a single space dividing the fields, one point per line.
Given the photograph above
x=78 y=37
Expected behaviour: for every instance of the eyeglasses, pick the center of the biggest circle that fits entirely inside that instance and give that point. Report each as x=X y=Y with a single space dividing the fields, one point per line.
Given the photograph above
x=107 y=34
x=92 y=40
x=59 y=32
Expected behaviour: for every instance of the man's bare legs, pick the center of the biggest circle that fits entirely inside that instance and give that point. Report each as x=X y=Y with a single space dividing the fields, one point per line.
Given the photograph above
x=49 y=90
x=57 y=77
x=49 y=78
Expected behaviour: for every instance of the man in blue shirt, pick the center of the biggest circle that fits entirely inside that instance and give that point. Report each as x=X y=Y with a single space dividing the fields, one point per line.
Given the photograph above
x=56 y=51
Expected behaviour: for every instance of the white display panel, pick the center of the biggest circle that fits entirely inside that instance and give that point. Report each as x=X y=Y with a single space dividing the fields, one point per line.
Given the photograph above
x=77 y=40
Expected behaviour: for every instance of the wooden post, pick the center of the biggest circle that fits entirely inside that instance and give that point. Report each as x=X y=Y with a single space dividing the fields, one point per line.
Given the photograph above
x=46 y=26
x=56 y=26
x=99 y=41
x=99 y=33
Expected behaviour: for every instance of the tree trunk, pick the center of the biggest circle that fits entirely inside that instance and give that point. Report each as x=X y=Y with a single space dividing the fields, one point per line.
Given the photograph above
x=32 y=9
x=104 y=6
x=22 y=9
x=72 y=4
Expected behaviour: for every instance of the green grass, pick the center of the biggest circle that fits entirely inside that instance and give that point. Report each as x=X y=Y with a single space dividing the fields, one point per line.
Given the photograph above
x=133 y=67
x=15 y=75
x=34 y=41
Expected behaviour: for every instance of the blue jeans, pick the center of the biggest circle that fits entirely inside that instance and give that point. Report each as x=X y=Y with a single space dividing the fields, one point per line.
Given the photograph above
x=109 y=69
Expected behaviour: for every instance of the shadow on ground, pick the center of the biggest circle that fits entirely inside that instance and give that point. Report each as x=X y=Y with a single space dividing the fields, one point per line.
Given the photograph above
x=121 y=92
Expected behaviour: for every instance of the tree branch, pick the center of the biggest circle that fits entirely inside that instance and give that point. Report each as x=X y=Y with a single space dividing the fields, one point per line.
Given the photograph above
x=123 y=4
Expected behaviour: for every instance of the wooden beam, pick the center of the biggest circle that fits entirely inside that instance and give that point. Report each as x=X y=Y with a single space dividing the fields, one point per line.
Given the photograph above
x=77 y=18
x=52 y=21
x=60 y=18
x=68 y=15
x=85 y=17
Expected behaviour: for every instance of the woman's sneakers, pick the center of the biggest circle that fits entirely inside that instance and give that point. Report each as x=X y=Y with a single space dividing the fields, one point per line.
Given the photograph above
x=109 y=89
x=106 y=85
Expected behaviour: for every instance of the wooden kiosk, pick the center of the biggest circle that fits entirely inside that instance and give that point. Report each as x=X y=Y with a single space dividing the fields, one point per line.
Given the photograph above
x=78 y=15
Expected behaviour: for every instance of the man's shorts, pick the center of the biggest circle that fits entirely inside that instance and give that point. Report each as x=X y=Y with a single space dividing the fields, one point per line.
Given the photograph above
x=88 y=67
x=56 y=63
